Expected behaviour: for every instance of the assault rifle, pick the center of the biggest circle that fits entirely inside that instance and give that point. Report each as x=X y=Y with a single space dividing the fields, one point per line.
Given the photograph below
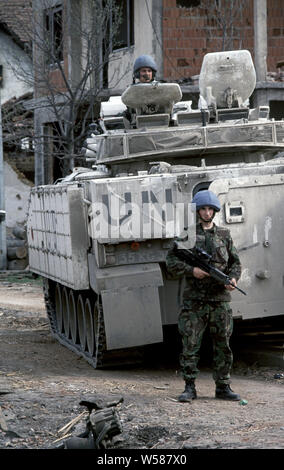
x=201 y=259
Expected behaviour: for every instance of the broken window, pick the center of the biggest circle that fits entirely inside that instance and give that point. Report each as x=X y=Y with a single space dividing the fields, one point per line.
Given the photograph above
x=54 y=34
x=54 y=162
x=124 y=37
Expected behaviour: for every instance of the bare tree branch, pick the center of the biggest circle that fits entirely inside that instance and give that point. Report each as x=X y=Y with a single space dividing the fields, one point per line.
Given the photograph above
x=71 y=48
x=227 y=17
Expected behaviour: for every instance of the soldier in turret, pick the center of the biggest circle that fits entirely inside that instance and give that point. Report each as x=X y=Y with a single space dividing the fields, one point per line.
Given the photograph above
x=144 y=69
x=206 y=301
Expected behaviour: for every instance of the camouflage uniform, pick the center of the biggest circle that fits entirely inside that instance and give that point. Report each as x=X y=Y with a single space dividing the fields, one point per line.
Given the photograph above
x=206 y=303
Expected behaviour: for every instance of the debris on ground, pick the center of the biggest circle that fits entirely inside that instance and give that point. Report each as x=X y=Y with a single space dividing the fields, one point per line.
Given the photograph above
x=45 y=390
x=102 y=426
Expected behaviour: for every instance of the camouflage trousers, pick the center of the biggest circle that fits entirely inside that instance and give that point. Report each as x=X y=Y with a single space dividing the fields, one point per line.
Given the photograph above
x=194 y=318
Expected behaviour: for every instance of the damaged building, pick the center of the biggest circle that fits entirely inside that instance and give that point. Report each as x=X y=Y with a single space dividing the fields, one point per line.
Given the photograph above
x=17 y=175
x=176 y=33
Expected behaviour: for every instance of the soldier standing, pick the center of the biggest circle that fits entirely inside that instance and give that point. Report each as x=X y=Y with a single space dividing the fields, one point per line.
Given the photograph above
x=206 y=302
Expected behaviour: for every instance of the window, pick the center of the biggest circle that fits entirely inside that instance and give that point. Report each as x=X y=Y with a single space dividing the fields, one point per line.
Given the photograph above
x=188 y=3
x=54 y=161
x=125 y=34
x=54 y=34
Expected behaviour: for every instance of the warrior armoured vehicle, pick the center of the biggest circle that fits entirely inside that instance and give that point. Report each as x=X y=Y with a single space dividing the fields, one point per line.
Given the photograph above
x=99 y=237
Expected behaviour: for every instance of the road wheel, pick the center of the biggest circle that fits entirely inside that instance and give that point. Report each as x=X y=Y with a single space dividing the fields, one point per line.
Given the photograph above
x=73 y=323
x=81 y=317
x=58 y=308
x=89 y=321
x=65 y=312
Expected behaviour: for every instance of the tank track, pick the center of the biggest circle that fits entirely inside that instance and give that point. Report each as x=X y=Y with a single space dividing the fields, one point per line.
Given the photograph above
x=101 y=357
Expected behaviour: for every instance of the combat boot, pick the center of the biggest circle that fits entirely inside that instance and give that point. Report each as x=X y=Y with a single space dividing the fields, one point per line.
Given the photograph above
x=225 y=392
x=189 y=392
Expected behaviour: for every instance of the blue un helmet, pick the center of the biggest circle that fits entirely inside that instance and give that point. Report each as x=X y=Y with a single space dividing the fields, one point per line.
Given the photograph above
x=206 y=198
x=144 y=61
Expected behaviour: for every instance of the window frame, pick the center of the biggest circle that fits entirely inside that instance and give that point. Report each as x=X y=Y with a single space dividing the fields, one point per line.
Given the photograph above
x=130 y=37
x=54 y=56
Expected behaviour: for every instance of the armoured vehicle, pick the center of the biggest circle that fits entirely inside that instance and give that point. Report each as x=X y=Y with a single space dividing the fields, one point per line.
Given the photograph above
x=99 y=237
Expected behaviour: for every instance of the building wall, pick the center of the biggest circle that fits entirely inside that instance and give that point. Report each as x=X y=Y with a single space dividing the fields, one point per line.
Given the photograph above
x=189 y=33
x=178 y=38
x=47 y=76
x=17 y=191
x=275 y=33
x=147 y=40
x=13 y=58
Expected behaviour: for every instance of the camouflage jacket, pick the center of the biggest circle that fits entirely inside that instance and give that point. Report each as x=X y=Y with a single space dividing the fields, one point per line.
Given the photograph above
x=218 y=243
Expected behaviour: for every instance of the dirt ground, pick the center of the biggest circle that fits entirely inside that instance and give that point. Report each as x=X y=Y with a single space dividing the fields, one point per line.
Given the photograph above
x=42 y=383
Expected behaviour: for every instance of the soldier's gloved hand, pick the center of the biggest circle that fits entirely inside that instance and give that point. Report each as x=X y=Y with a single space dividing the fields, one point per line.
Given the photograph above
x=229 y=287
x=199 y=274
